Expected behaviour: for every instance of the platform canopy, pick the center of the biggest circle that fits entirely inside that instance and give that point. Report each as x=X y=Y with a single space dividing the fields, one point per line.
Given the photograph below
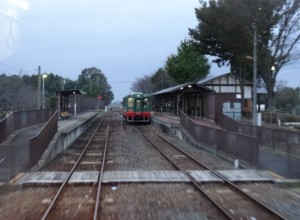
x=70 y=92
x=63 y=104
x=187 y=87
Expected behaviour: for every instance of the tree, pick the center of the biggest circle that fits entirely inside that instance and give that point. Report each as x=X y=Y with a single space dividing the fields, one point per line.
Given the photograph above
x=161 y=80
x=143 y=85
x=226 y=29
x=53 y=83
x=281 y=48
x=287 y=98
x=15 y=95
x=152 y=83
x=188 y=64
x=89 y=81
x=94 y=83
x=280 y=85
x=69 y=84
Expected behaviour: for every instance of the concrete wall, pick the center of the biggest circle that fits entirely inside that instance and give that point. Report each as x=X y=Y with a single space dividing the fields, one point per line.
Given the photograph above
x=61 y=142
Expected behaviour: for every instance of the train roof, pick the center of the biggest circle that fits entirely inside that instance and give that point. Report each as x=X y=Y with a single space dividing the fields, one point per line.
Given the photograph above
x=137 y=94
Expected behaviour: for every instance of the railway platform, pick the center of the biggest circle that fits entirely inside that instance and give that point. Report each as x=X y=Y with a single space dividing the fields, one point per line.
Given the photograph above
x=67 y=125
x=18 y=142
x=269 y=160
x=175 y=121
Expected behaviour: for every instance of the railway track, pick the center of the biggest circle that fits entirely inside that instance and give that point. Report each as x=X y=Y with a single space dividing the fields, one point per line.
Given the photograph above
x=61 y=206
x=228 y=198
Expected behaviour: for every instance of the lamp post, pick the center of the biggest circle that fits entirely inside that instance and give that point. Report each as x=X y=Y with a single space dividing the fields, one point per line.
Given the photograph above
x=63 y=84
x=75 y=104
x=39 y=89
x=44 y=76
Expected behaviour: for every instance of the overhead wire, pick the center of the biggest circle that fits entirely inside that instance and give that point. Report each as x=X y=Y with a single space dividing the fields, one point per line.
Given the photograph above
x=20 y=70
x=120 y=81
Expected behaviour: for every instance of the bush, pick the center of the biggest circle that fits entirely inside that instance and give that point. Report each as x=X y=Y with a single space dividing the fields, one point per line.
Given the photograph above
x=289 y=118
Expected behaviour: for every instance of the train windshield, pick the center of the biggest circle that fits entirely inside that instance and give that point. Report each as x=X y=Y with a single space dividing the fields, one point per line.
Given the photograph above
x=146 y=102
x=138 y=103
x=130 y=102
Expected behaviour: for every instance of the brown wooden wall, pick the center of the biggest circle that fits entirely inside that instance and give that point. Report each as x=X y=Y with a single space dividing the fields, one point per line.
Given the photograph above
x=225 y=97
x=209 y=105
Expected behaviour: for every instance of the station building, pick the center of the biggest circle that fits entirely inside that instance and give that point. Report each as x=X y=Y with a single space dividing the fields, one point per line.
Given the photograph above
x=202 y=99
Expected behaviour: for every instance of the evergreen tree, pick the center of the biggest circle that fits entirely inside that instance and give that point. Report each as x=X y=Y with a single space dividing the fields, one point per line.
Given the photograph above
x=188 y=64
x=94 y=83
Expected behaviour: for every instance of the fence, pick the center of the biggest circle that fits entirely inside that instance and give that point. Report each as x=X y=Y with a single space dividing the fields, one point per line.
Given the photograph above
x=39 y=143
x=7 y=162
x=23 y=119
x=281 y=146
x=227 y=122
x=278 y=139
x=14 y=159
x=237 y=145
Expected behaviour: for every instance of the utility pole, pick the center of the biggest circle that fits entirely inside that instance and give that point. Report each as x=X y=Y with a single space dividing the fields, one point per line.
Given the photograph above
x=254 y=110
x=39 y=89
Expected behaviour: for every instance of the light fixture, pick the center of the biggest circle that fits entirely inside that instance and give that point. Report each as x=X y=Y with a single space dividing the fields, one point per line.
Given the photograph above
x=273 y=68
x=44 y=76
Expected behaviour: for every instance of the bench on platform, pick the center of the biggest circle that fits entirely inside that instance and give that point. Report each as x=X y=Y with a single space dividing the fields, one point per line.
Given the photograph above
x=64 y=115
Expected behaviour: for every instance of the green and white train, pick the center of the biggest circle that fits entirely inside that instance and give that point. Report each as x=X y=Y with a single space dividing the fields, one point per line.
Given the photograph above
x=137 y=107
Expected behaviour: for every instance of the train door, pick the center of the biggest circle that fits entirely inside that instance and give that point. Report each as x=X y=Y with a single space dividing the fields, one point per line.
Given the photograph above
x=138 y=106
x=146 y=105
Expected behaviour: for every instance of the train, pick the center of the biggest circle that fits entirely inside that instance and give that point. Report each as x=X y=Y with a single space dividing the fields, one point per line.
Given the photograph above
x=137 y=107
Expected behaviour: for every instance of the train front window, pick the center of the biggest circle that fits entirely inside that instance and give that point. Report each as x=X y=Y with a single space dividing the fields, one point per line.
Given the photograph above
x=138 y=103
x=146 y=102
x=130 y=102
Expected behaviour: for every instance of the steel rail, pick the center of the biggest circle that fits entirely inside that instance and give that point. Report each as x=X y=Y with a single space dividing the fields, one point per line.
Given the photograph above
x=187 y=175
x=222 y=177
x=232 y=185
x=59 y=192
x=97 y=205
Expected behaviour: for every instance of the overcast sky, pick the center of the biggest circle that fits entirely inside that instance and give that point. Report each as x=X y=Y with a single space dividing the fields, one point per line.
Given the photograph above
x=125 y=39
